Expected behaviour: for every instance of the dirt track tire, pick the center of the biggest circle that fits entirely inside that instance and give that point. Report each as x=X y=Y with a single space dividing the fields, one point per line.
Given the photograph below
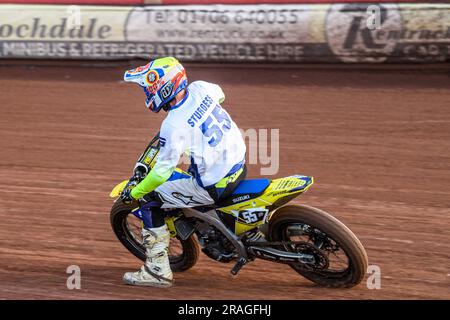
x=118 y=219
x=334 y=229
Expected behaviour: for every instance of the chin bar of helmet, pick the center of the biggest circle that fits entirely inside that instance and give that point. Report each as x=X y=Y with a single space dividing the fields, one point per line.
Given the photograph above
x=166 y=107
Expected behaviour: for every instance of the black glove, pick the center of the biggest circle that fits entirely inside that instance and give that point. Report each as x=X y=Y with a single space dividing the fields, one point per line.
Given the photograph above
x=126 y=197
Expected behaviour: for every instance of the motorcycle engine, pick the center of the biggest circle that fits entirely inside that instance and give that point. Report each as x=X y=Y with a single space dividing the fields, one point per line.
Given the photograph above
x=214 y=244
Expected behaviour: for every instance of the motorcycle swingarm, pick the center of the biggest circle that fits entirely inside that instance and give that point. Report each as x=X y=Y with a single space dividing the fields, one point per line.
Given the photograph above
x=271 y=254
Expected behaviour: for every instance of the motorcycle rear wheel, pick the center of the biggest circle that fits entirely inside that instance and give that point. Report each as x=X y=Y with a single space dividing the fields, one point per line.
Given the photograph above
x=328 y=235
x=127 y=229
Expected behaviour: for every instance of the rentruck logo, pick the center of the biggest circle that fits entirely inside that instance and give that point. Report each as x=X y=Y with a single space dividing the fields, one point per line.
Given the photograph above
x=40 y=30
x=351 y=37
x=358 y=27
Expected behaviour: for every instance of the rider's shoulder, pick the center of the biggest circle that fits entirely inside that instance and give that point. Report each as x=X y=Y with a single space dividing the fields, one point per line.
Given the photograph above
x=200 y=84
x=169 y=124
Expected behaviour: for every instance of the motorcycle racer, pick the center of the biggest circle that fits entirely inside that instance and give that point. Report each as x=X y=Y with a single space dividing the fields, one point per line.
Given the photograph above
x=196 y=124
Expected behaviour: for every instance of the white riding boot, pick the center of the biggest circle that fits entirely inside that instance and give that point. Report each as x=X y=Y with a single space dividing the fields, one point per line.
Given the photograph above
x=156 y=271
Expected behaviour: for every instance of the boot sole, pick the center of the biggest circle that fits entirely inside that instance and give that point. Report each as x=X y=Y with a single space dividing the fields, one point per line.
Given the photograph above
x=148 y=284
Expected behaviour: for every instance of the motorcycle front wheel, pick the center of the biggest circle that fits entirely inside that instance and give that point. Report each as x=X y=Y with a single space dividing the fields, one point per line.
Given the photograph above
x=183 y=254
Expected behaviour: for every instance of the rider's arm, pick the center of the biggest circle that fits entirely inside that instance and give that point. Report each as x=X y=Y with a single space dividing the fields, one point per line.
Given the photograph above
x=214 y=90
x=172 y=145
x=157 y=176
x=222 y=96
x=218 y=92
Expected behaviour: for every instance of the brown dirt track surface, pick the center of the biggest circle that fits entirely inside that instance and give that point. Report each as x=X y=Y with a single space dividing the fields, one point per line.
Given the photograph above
x=376 y=139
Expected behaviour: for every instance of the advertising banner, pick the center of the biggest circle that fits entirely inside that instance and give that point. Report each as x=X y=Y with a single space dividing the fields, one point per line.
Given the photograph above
x=281 y=33
x=192 y=2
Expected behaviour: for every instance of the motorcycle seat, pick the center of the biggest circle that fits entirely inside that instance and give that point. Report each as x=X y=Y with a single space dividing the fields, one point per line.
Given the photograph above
x=251 y=186
x=246 y=189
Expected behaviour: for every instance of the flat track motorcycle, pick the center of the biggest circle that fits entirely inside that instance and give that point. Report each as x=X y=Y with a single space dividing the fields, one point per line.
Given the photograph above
x=311 y=241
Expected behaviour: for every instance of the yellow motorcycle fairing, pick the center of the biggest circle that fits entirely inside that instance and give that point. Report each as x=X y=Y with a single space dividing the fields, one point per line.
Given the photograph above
x=118 y=189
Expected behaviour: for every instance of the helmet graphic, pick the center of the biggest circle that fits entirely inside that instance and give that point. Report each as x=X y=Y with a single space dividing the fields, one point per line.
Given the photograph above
x=162 y=79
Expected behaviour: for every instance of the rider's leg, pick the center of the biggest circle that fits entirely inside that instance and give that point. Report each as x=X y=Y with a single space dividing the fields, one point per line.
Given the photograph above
x=184 y=192
x=156 y=270
x=180 y=191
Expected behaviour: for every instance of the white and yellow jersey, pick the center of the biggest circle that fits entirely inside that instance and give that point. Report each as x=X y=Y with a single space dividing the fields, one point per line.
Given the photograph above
x=199 y=126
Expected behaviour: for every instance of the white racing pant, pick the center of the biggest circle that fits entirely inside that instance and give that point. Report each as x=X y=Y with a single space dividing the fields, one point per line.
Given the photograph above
x=183 y=191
